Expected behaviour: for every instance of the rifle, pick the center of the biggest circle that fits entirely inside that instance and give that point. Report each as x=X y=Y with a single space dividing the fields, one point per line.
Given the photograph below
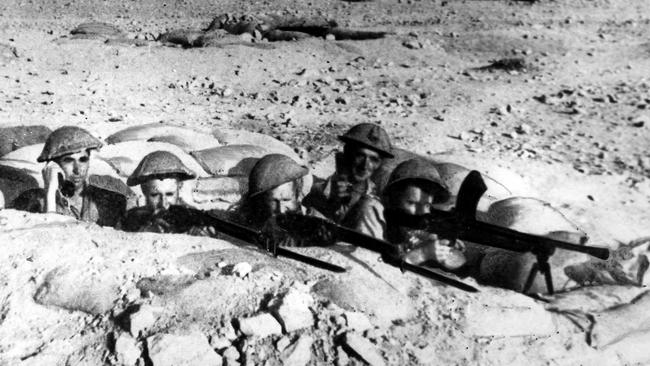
x=194 y=217
x=461 y=223
x=306 y=226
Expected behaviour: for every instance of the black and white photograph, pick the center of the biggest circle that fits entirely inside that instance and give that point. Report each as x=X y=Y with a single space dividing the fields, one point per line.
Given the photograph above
x=333 y=182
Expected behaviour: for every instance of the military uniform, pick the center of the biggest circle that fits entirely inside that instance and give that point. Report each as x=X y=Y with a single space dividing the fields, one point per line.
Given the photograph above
x=105 y=201
x=323 y=195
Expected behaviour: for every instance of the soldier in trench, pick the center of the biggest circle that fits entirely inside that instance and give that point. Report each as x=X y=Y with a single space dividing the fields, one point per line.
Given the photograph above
x=69 y=189
x=365 y=148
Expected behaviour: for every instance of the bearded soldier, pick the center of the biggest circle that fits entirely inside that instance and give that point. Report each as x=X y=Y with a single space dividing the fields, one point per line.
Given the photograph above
x=366 y=145
x=160 y=175
x=69 y=189
x=275 y=186
x=412 y=189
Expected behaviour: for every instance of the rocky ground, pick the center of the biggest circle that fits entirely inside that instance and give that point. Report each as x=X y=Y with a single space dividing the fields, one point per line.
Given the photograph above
x=568 y=124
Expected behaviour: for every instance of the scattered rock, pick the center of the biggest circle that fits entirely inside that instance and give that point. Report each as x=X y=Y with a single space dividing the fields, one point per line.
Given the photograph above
x=299 y=354
x=181 y=350
x=127 y=350
x=141 y=320
x=357 y=321
x=293 y=310
x=524 y=129
x=362 y=347
x=262 y=326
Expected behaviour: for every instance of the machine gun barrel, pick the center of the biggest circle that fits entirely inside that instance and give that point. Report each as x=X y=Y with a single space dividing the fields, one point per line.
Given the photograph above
x=446 y=224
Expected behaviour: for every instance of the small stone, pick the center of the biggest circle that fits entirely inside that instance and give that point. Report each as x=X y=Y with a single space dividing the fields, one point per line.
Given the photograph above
x=141 y=321
x=182 y=350
x=464 y=136
x=357 y=321
x=220 y=343
x=341 y=100
x=366 y=350
x=262 y=326
x=293 y=310
x=246 y=37
x=330 y=37
x=242 y=269
x=412 y=44
x=524 y=129
x=300 y=353
x=127 y=350
x=639 y=121
x=227 y=92
x=231 y=353
x=282 y=344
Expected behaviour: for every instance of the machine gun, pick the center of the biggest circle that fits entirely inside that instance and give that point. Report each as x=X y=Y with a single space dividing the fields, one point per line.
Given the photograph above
x=461 y=223
x=306 y=226
x=184 y=218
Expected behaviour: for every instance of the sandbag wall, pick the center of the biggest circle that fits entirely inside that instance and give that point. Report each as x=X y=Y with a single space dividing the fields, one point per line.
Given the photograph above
x=221 y=161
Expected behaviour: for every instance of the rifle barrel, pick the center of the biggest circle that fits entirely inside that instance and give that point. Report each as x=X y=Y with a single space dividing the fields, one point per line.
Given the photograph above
x=492 y=235
x=253 y=236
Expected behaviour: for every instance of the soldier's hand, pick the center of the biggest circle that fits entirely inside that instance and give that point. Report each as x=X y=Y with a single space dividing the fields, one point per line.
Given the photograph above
x=52 y=175
x=341 y=189
x=441 y=251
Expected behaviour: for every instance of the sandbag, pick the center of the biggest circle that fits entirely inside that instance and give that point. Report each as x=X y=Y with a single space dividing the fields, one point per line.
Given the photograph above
x=125 y=156
x=243 y=137
x=12 y=138
x=212 y=193
x=509 y=269
x=186 y=138
x=15 y=181
x=230 y=160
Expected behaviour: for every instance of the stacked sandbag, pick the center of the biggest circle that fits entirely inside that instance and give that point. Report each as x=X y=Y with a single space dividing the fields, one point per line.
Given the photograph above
x=509 y=269
x=222 y=171
x=186 y=138
x=241 y=137
x=13 y=138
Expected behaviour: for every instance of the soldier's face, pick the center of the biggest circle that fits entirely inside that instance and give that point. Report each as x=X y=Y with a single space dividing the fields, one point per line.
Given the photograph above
x=363 y=163
x=413 y=200
x=75 y=167
x=281 y=199
x=159 y=194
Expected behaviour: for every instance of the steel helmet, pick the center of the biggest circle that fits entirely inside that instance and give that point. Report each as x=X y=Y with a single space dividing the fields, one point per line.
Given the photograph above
x=419 y=170
x=271 y=171
x=67 y=140
x=371 y=136
x=159 y=165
